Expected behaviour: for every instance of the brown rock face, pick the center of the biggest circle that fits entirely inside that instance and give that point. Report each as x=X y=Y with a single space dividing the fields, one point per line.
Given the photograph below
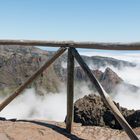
x=17 y=63
x=90 y=110
x=108 y=79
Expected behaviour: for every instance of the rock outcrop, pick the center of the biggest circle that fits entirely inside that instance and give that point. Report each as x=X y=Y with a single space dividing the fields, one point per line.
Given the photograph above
x=90 y=110
x=108 y=79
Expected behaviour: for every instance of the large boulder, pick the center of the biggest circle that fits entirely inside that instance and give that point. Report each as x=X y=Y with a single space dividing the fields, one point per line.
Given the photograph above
x=91 y=110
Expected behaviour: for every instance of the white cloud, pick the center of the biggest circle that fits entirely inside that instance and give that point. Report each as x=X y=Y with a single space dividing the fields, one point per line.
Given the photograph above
x=52 y=106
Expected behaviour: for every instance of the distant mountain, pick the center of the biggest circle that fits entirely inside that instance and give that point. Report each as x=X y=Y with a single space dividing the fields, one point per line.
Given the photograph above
x=95 y=62
x=17 y=63
x=98 y=61
x=108 y=79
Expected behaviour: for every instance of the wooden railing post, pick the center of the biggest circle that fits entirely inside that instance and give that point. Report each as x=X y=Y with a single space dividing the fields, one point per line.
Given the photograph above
x=70 y=90
x=106 y=98
x=30 y=80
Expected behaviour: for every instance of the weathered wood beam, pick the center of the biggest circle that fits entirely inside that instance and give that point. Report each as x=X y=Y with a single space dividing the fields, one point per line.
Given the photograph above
x=70 y=90
x=88 y=45
x=30 y=79
x=106 y=98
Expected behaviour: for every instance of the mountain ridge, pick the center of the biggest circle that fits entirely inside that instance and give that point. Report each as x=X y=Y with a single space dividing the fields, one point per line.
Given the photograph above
x=17 y=63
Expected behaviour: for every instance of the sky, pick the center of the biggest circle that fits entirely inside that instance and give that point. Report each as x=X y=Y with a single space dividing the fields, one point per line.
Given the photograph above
x=77 y=20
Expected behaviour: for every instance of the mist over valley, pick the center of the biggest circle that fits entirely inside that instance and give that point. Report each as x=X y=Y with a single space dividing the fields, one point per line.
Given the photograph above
x=45 y=98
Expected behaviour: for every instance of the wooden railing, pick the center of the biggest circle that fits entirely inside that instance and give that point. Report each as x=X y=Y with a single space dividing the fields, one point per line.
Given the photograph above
x=73 y=53
x=65 y=44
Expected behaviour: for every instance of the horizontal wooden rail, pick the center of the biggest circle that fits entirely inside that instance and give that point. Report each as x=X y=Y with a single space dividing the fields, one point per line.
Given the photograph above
x=88 y=45
x=106 y=98
x=30 y=80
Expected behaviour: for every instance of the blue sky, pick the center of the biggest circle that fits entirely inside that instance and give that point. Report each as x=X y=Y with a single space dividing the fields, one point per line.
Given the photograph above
x=78 y=20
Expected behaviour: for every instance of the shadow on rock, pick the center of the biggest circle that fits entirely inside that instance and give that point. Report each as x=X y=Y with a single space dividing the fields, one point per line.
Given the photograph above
x=55 y=128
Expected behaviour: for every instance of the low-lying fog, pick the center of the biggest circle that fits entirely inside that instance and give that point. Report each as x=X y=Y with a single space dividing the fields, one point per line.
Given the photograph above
x=53 y=106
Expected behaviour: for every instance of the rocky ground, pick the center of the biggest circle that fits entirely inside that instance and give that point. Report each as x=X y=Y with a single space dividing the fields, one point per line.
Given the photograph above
x=43 y=130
